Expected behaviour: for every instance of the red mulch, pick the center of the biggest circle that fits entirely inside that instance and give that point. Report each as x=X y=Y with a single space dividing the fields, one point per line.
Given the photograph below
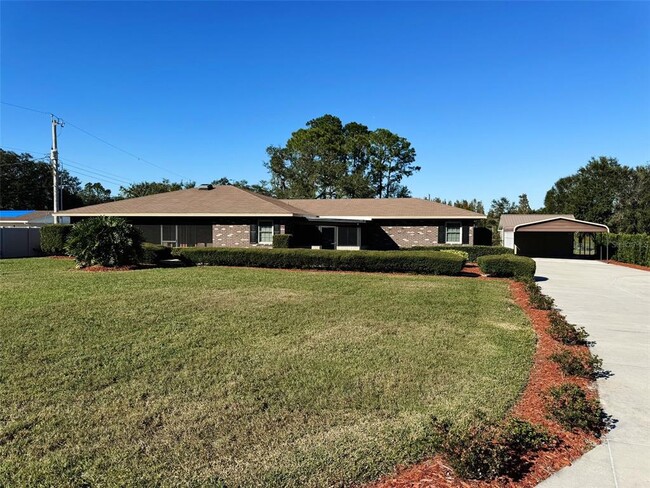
x=99 y=269
x=628 y=265
x=544 y=374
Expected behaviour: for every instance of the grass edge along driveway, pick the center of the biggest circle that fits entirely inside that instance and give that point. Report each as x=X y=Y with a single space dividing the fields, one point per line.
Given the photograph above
x=243 y=377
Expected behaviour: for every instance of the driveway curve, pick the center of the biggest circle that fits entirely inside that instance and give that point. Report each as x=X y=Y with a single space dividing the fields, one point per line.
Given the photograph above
x=613 y=304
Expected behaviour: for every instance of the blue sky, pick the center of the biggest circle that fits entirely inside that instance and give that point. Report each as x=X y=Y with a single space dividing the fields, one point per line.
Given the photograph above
x=497 y=98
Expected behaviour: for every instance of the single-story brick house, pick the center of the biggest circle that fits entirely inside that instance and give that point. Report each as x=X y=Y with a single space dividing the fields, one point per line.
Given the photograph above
x=227 y=216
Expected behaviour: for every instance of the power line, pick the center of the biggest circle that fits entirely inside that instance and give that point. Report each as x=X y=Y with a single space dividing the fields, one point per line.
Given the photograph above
x=98 y=138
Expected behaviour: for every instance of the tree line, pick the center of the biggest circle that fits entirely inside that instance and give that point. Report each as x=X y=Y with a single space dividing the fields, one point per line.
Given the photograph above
x=329 y=159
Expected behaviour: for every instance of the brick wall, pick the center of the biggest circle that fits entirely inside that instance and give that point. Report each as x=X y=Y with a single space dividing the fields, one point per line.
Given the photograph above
x=409 y=236
x=234 y=235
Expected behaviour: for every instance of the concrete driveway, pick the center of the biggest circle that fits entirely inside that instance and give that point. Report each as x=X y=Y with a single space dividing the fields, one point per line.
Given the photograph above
x=613 y=304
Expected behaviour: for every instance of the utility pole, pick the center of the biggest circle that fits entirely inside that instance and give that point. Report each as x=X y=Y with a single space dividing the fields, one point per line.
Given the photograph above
x=54 y=158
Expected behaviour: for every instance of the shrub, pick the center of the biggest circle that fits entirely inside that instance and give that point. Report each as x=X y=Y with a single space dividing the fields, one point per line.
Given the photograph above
x=627 y=248
x=281 y=241
x=436 y=263
x=154 y=253
x=507 y=266
x=474 y=252
x=587 y=366
x=53 y=238
x=568 y=404
x=492 y=451
x=457 y=252
x=104 y=241
x=564 y=332
x=536 y=298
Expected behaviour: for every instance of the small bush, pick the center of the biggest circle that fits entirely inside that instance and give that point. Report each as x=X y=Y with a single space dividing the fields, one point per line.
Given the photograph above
x=492 y=451
x=104 y=241
x=536 y=298
x=281 y=241
x=564 y=332
x=568 y=404
x=154 y=253
x=473 y=252
x=507 y=266
x=457 y=252
x=435 y=263
x=54 y=237
x=587 y=366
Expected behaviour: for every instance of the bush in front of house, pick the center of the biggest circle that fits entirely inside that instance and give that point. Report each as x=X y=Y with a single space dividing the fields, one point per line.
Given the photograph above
x=489 y=452
x=53 y=238
x=536 y=298
x=507 y=266
x=457 y=252
x=583 y=365
x=435 y=263
x=154 y=253
x=281 y=241
x=473 y=252
x=104 y=241
x=562 y=331
x=568 y=405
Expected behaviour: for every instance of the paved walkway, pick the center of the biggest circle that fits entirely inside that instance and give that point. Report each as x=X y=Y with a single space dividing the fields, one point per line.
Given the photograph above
x=613 y=304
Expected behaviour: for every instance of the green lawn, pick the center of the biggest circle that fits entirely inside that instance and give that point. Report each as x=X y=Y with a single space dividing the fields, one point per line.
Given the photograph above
x=242 y=377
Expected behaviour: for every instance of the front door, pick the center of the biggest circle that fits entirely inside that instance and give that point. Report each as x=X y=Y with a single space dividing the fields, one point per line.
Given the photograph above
x=328 y=237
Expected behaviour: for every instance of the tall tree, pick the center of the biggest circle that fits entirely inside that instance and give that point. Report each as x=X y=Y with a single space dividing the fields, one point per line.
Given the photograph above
x=523 y=207
x=592 y=193
x=145 y=188
x=330 y=160
x=26 y=184
x=632 y=207
x=94 y=193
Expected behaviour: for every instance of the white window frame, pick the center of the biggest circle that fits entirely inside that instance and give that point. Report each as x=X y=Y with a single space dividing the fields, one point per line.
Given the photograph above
x=460 y=233
x=264 y=223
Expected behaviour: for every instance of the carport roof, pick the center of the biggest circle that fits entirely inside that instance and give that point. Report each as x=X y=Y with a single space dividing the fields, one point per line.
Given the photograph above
x=508 y=222
x=560 y=224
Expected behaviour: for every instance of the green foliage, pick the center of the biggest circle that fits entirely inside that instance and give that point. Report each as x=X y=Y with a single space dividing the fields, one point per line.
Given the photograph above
x=457 y=252
x=585 y=365
x=104 y=241
x=154 y=253
x=26 y=183
x=262 y=187
x=281 y=241
x=568 y=404
x=536 y=298
x=54 y=237
x=606 y=192
x=488 y=452
x=145 y=188
x=94 y=193
x=627 y=248
x=473 y=252
x=507 y=265
x=435 y=263
x=329 y=160
x=564 y=332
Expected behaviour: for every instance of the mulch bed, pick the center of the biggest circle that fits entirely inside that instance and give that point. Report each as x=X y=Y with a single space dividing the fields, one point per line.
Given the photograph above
x=628 y=265
x=544 y=374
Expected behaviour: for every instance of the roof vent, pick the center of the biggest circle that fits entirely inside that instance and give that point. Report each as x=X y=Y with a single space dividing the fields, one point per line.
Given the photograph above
x=206 y=186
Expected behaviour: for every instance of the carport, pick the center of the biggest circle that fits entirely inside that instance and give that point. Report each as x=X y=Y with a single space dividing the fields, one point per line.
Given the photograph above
x=557 y=237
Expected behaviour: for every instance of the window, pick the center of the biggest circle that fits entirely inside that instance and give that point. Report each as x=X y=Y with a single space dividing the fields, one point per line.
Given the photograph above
x=453 y=233
x=348 y=236
x=168 y=235
x=265 y=232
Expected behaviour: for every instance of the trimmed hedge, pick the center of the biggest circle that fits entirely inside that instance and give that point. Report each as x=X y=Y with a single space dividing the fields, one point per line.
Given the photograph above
x=473 y=252
x=281 y=241
x=435 y=263
x=627 y=248
x=154 y=253
x=54 y=237
x=507 y=266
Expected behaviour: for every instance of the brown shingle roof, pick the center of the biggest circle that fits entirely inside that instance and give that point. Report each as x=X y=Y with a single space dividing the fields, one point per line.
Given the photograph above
x=229 y=201
x=224 y=201
x=382 y=208
x=510 y=221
